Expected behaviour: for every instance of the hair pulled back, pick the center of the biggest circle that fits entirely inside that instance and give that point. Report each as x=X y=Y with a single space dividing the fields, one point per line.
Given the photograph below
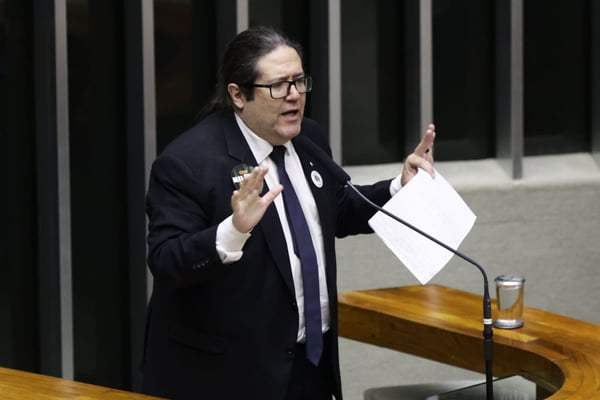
x=240 y=60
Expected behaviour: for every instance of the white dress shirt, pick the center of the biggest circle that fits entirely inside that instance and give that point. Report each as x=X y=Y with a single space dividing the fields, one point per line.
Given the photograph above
x=230 y=241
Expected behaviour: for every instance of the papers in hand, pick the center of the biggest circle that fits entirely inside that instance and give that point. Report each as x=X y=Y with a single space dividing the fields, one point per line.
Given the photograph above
x=433 y=206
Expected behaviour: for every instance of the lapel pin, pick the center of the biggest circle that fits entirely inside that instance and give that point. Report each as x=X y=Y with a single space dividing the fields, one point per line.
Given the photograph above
x=238 y=174
x=317 y=179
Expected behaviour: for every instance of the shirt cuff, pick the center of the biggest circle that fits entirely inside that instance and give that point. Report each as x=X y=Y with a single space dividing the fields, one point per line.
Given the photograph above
x=230 y=241
x=396 y=185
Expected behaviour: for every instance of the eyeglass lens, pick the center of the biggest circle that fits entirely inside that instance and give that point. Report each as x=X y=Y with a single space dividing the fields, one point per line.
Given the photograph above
x=282 y=89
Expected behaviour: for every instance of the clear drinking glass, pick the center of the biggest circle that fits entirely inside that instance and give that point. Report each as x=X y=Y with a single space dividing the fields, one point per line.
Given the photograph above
x=509 y=295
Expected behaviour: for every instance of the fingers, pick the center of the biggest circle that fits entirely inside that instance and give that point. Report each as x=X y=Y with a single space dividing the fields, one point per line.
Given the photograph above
x=247 y=204
x=414 y=163
x=421 y=158
x=425 y=146
x=252 y=183
x=271 y=194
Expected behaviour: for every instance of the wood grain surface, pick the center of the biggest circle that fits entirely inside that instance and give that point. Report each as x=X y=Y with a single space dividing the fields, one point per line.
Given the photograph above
x=20 y=385
x=560 y=354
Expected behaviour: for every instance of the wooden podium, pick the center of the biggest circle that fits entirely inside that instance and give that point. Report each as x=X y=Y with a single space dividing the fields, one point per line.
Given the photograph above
x=560 y=354
x=21 y=385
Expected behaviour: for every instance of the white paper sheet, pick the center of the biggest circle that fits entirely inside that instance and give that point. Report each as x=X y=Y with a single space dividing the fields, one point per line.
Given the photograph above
x=433 y=206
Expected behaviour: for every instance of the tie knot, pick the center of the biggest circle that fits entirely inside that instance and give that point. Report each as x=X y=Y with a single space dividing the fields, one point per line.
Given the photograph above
x=277 y=154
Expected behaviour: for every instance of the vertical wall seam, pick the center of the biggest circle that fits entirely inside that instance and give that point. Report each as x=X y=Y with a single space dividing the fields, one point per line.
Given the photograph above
x=426 y=61
x=242 y=17
x=64 y=189
x=149 y=103
x=595 y=79
x=335 y=79
x=517 y=92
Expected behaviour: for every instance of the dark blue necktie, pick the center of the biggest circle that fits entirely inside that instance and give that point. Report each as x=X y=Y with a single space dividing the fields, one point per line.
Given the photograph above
x=305 y=251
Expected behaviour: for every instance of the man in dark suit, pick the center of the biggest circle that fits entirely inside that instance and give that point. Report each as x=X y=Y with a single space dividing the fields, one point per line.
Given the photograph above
x=227 y=315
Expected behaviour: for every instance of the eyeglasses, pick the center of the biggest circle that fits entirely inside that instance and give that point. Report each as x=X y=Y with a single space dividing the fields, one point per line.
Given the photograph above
x=281 y=89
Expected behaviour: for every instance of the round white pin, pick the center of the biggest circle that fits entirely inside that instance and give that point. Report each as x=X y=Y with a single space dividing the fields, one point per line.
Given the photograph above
x=317 y=179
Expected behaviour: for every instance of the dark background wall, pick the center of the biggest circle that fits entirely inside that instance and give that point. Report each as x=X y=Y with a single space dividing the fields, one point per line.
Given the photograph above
x=79 y=125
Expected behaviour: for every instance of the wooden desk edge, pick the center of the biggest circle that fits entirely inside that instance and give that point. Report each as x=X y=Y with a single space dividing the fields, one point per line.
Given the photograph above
x=559 y=353
x=22 y=385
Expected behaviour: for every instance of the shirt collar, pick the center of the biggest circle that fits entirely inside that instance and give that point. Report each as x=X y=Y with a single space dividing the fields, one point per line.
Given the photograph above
x=259 y=147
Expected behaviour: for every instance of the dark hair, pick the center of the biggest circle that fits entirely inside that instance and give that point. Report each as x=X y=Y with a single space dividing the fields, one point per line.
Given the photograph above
x=239 y=63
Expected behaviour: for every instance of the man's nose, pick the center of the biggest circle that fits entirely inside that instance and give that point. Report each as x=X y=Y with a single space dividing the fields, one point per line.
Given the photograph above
x=293 y=92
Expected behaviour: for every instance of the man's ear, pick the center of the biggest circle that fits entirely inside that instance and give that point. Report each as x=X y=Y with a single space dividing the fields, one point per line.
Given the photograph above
x=236 y=95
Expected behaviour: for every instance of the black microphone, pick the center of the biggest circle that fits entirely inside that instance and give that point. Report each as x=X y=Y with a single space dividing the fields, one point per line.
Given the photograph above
x=341 y=176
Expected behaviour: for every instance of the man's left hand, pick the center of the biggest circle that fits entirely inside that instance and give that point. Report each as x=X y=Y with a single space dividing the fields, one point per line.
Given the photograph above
x=422 y=157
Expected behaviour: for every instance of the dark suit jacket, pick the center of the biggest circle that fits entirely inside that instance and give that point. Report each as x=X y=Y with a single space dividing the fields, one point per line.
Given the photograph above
x=218 y=331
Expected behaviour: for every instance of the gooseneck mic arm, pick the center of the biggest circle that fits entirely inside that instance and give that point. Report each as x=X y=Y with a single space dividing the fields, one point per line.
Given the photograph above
x=341 y=176
x=488 y=344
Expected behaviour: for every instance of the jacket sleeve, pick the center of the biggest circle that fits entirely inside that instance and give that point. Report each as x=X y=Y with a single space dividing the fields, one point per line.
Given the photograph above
x=181 y=233
x=354 y=212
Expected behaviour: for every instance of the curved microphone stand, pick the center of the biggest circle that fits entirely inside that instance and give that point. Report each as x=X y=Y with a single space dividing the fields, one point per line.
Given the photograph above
x=488 y=344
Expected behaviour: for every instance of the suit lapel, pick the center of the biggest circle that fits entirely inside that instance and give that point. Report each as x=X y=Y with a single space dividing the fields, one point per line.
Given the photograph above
x=236 y=144
x=321 y=187
x=269 y=225
x=317 y=177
